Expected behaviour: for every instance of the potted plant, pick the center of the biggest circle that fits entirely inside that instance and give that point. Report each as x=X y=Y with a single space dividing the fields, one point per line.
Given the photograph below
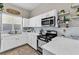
x=67 y=22
x=62 y=11
x=66 y=19
x=1 y=6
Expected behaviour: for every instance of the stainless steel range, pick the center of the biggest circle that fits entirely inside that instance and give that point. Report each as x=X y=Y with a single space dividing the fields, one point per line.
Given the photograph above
x=45 y=38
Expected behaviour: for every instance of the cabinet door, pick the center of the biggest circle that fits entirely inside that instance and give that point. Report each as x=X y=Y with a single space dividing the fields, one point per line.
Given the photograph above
x=11 y=19
x=35 y=21
x=17 y=41
x=25 y=37
x=7 y=43
x=53 y=13
x=25 y=22
x=20 y=40
x=38 y=21
x=44 y=15
x=32 y=41
x=17 y=20
x=32 y=22
x=49 y=14
x=29 y=39
x=7 y=18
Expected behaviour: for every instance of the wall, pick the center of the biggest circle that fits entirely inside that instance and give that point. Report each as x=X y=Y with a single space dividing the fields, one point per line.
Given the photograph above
x=74 y=31
x=45 y=7
x=24 y=13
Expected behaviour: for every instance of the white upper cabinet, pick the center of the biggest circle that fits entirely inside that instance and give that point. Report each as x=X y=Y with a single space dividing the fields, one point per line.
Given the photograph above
x=49 y=14
x=38 y=21
x=35 y=21
x=7 y=19
x=25 y=22
x=17 y=20
x=11 y=19
x=32 y=22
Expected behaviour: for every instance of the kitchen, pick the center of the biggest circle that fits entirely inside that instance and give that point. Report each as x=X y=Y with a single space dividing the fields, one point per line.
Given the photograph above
x=47 y=31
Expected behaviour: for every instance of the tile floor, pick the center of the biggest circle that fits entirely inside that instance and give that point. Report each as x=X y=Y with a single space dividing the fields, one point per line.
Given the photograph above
x=22 y=50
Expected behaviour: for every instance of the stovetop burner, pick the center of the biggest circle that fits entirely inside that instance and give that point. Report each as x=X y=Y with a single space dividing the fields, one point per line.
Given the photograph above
x=47 y=37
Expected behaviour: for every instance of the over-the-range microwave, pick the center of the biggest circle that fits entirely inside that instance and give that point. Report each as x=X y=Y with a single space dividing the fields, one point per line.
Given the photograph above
x=49 y=21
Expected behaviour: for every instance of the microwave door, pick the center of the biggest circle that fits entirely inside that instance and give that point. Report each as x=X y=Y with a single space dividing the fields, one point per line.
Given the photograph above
x=46 y=22
x=50 y=21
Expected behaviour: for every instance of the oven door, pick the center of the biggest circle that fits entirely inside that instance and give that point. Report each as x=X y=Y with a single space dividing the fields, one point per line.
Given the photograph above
x=39 y=44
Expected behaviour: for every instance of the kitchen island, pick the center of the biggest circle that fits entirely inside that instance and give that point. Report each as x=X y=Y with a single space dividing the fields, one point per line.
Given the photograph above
x=61 y=46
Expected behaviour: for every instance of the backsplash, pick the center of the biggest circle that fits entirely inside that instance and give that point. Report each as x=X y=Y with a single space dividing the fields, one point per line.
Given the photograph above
x=37 y=29
x=72 y=31
x=69 y=31
x=28 y=29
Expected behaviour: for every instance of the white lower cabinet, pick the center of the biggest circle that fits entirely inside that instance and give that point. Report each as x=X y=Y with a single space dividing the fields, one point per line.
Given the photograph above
x=32 y=40
x=25 y=37
x=22 y=40
x=35 y=21
x=7 y=43
x=18 y=41
x=10 y=42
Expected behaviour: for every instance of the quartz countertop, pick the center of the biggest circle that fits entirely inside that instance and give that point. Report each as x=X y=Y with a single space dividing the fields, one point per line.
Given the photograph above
x=62 y=46
x=8 y=35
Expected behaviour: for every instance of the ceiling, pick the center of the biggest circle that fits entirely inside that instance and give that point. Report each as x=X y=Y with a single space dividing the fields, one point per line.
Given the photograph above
x=27 y=6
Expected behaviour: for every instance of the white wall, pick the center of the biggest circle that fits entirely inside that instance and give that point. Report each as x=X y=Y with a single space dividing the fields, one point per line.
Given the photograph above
x=24 y=13
x=45 y=7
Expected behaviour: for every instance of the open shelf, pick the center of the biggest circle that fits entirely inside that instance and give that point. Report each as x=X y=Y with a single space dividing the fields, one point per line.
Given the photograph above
x=64 y=14
x=75 y=17
x=75 y=6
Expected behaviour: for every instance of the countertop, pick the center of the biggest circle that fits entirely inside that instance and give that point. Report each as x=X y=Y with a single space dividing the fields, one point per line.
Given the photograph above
x=8 y=35
x=62 y=46
x=23 y=33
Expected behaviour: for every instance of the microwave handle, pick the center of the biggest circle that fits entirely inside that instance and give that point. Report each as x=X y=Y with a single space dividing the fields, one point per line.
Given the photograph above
x=54 y=21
